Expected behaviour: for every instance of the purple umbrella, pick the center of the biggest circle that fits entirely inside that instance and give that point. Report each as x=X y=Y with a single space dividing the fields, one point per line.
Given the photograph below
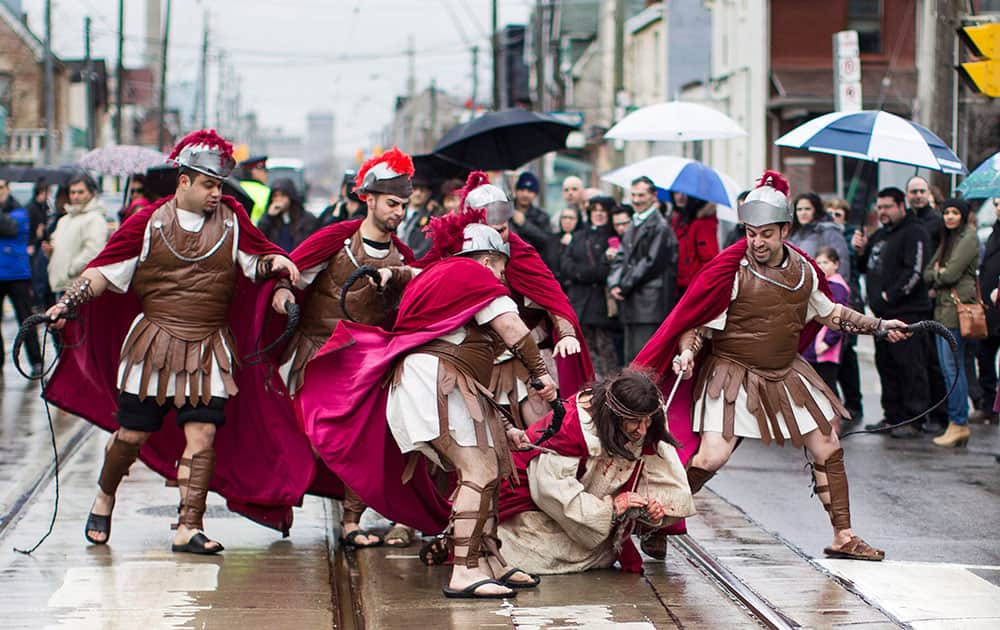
x=121 y=160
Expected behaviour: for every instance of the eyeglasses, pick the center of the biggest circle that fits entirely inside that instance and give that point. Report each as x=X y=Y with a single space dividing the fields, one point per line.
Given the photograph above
x=621 y=223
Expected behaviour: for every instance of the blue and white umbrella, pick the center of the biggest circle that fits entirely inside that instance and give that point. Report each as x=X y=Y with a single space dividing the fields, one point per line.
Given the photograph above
x=874 y=136
x=676 y=174
x=984 y=182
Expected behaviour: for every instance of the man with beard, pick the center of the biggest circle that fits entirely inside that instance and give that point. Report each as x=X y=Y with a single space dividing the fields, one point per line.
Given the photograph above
x=542 y=305
x=181 y=258
x=744 y=319
x=327 y=261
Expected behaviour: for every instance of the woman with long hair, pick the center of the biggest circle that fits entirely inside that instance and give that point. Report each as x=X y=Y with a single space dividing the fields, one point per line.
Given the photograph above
x=951 y=277
x=813 y=228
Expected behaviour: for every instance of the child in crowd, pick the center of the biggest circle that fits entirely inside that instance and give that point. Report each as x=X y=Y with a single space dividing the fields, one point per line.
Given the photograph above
x=824 y=353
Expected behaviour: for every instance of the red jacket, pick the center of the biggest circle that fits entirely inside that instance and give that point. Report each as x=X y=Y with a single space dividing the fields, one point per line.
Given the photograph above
x=698 y=243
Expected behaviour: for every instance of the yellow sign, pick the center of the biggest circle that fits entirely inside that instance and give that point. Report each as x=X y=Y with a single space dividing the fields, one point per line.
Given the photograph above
x=984 y=42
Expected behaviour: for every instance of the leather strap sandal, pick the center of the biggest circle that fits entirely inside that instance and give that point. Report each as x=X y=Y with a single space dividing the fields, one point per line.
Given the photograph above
x=435 y=551
x=351 y=539
x=654 y=545
x=98 y=523
x=470 y=592
x=856 y=549
x=399 y=536
x=506 y=580
x=198 y=544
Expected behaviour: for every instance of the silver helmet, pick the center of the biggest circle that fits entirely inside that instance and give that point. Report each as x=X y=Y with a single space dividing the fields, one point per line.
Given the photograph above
x=206 y=159
x=482 y=239
x=490 y=198
x=764 y=205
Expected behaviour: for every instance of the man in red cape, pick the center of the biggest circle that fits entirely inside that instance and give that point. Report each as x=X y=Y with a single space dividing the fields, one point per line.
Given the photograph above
x=425 y=380
x=760 y=302
x=164 y=342
x=328 y=260
x=537 y=293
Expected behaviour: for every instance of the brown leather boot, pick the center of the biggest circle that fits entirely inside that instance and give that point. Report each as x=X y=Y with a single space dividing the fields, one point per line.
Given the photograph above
x=839 y=508
x=698 y=477
x=119 y=456
x=201 y=465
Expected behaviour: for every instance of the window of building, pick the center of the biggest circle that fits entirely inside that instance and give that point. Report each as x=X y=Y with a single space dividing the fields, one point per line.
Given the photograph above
x=865 y=17
x=988 y=6
x=6 y=92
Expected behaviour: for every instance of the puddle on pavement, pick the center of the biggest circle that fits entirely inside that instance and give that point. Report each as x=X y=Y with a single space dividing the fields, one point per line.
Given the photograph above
x=584 y=617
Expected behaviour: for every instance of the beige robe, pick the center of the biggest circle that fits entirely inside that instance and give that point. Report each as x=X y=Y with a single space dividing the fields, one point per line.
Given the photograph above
x=573 y=530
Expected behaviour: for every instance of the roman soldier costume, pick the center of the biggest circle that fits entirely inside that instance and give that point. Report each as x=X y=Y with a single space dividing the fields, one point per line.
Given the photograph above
x=165 y=341
x=745 y=322
x=542 y=305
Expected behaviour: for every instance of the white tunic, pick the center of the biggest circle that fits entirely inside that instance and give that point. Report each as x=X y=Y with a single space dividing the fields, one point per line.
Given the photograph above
x=573 y=530
x=412 y=409
x=120 y=275
x=745 y=423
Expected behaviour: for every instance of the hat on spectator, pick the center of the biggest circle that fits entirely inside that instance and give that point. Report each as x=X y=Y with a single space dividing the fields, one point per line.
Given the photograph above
x=527 y=181
x=767 y=203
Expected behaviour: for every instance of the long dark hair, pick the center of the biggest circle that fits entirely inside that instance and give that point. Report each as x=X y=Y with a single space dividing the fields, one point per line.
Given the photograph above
x=689 y=211
x=636 y=391
x=819 y=211
x=950 y=237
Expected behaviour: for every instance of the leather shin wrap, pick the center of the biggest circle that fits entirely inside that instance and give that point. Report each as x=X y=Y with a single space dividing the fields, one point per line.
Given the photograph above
x=526 y=350
x=839 y=506
x=200 y=468
x=475 y=544
x=698 y=477
x=855 y=323
x=117 y=460
x=78 y=294
x=353 y=506
x=691 y=340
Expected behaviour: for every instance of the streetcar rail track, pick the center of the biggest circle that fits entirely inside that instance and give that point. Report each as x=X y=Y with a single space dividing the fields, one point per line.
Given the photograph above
x=764 y=611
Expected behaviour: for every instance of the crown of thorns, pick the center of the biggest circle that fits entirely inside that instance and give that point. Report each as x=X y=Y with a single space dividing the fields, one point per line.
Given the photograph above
x=622 y=411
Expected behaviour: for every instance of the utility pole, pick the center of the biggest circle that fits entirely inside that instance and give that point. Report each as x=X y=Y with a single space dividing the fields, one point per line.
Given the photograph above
x=120 y=72
x=219 y=93
x=203 y=78
x=50 y=97
x=935 y=78
x=475 y=75
x=496 y=56
x=88 y=68
x=619 y=67
x=433 y=116
x=540 y=48
x=411 y=92
x=161 y=138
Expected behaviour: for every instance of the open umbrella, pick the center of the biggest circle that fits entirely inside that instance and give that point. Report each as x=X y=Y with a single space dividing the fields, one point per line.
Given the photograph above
x=48 y=175
x=677 y=174
x=437 y=168
x=984 y=182
x=675 y=121
x=121 y=160
x=498 y=141
x=874 y=136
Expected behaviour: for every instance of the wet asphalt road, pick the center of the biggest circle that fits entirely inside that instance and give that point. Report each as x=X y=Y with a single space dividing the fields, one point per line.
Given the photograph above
x=913 y=499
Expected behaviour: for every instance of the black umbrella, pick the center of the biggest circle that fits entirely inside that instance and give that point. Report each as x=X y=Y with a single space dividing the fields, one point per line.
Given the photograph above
x=161 y=180
x=437 y=169
x=48 y=175
x=504 y=140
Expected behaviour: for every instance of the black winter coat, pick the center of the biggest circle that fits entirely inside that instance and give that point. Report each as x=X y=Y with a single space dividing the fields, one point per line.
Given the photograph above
x=584 y=271
x=536 y=230
x=646 y=271
x=894 y=262
x=989 y=275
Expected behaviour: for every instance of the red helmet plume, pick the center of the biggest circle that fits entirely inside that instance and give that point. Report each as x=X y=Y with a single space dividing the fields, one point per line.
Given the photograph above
x=775 y=180
x=395 y=163
x=448 y=232
x=472 y=182
x=206 y=137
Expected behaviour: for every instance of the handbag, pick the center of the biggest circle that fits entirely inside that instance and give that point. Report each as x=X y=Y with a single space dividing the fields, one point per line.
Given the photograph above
x=971 y=317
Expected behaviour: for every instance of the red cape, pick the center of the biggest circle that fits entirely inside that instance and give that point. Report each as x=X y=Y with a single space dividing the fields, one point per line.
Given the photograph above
x=342 y=403
x=569 y=442
x=529 y=276
x=256 y=435
x=319 y=248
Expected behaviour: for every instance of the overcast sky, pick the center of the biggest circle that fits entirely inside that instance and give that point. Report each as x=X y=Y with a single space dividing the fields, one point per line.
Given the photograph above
x=296 y=56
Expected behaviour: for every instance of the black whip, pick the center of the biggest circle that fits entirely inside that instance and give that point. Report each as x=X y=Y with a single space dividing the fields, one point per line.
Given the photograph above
x=558 y=413
x=28 y=328
x=926 y=326
x=360 y=272
x=294 y=312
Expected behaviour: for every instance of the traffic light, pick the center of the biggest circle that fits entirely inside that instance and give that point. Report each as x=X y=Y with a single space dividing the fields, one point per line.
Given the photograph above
x=983 y=76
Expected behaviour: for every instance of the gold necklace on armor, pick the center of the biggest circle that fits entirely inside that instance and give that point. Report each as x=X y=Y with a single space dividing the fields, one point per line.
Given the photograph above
x=798 y=285
x=158 y=226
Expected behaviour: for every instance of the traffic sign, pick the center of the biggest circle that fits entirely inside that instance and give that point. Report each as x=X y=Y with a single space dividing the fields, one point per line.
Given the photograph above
x=847 y=72
x=982 y=75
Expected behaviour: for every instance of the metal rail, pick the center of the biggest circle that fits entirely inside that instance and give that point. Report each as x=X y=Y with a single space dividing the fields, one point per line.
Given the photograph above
x=759 y=607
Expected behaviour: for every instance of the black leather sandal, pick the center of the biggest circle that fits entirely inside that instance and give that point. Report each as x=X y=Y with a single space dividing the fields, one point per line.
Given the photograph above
x=98 y=523
x=198 y=544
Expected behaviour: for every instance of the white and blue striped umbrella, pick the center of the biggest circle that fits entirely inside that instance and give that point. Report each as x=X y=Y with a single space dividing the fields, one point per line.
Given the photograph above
x=874 y=136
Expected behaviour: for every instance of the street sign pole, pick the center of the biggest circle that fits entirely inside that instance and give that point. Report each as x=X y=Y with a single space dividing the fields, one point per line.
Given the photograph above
x=846 y=87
